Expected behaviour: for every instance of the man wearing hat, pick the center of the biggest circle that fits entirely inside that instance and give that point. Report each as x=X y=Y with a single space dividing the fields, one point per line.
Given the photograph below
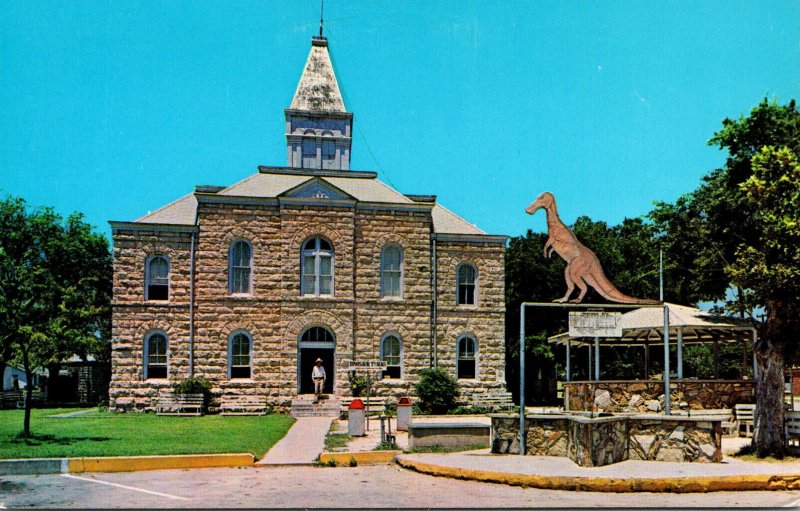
x=318 y=375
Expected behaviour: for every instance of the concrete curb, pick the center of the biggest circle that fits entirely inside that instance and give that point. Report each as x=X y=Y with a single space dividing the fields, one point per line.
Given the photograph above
x=122 y=463
x=615 y=485
x=34 y=466
x=342 y=459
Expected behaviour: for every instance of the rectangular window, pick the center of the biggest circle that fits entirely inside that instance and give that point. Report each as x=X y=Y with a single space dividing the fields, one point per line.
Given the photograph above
x=466 y=293
x=325 y=275
x=309 y=275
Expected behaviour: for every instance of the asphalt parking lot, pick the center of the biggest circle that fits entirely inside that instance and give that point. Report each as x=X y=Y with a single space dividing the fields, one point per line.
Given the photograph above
x=378 y=486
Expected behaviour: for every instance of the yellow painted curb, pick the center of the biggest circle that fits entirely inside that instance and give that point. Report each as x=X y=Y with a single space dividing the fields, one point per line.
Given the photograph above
x=135 y=463
x=616 y=485
x=342 y=459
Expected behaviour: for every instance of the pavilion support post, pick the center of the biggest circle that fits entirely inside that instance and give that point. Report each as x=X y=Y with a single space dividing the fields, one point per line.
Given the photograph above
x=716 y=359
x=569 y=345
x=596 y=359
x=589 y=371
x=744 y=360
x=666 y=360
x=646 y=360
x=680 y=353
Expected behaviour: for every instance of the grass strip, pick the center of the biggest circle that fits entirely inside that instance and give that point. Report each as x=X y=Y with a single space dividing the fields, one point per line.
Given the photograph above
x=136 y=434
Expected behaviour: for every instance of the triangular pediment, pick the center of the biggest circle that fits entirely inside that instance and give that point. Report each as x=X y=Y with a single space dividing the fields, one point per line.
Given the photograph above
x=316 y=188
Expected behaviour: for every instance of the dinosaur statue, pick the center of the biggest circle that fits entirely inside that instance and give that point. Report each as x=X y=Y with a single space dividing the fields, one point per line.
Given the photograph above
x=583 y=267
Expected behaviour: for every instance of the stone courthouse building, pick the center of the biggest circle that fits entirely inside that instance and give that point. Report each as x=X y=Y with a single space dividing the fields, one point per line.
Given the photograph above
x=246 y=285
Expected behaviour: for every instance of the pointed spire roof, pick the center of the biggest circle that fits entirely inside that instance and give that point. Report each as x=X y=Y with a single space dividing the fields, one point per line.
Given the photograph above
x=318 y=90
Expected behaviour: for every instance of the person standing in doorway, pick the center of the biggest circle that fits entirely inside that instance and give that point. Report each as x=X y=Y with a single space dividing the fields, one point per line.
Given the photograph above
x=318 y=375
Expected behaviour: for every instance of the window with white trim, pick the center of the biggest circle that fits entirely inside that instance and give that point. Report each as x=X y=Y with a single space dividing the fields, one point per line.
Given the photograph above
x=392 y=271
x=328 y=150
x=155 y=355
x=241 y=262
x=391 y=354
x=157 y=278
x=467 y=282
x=316 y=268
x=466 y=366
x=240 y=347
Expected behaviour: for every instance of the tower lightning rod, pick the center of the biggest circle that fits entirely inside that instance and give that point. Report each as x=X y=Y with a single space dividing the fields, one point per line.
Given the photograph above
x=321 y=6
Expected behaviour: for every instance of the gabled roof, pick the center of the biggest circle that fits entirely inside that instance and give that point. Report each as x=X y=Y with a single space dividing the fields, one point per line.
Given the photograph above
x=318 y=90
x=277 y=183
x=179 y=212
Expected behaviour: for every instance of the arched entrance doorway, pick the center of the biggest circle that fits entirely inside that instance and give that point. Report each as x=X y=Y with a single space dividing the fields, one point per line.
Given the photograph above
x=315 y=342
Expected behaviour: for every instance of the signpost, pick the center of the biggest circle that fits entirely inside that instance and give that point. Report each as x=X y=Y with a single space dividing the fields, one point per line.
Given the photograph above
x=368 y=366
x=595 y=324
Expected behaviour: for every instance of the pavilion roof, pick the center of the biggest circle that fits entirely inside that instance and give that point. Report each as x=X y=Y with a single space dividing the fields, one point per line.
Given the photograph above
x=646 y=326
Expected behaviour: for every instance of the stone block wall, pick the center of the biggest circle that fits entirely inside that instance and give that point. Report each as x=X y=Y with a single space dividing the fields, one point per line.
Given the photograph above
x=648 y=396
x=275 y=314
x=591 y=442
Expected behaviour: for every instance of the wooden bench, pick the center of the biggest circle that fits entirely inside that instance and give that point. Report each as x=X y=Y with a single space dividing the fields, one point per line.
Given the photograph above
x=744 y=418
x=10 y=398
x=169 y=403
x=37 y=396
x=374 y=404
x=493 y=400
x=237 y=404
x=791 y=420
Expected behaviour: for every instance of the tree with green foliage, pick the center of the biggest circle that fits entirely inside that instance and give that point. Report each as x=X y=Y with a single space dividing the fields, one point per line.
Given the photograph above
x=738 y=232
x=55 y=288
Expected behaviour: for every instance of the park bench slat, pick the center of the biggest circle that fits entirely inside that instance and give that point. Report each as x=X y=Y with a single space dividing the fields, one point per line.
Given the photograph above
x=235 y=404
x=169 y=403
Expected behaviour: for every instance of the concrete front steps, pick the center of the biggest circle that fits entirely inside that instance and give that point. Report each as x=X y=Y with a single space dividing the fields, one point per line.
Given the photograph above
x=304 y=406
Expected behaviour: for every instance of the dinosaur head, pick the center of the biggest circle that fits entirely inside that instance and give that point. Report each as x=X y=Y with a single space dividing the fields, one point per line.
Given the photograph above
x=544 y=200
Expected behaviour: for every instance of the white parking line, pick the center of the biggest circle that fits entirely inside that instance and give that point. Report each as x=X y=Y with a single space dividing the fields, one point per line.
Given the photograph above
x=167 y=495
x=795 y=504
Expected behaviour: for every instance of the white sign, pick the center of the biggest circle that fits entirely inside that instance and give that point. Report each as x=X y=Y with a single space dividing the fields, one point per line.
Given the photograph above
x=595 y=324
x=375 y=365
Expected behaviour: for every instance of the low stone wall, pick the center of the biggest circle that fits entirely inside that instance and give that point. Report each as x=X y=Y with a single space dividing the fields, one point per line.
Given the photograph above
x=648 y=396
x=598 y=441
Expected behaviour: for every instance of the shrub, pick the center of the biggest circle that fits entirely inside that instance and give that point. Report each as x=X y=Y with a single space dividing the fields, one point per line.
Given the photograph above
x=358 y=383
x=437 y=390
x=194 y=385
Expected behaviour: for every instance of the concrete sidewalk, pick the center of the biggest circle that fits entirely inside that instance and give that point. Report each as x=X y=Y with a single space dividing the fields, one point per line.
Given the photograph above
x=302 y=444
x=551 y=472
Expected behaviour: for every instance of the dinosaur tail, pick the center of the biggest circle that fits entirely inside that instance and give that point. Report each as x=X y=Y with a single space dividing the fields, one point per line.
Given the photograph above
x=608 y=291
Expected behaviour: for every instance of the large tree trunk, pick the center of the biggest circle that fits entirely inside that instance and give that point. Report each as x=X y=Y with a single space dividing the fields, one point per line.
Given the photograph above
x=768 y=431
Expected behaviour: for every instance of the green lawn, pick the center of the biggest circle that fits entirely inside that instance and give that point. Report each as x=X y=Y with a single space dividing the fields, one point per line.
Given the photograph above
x=105 y=434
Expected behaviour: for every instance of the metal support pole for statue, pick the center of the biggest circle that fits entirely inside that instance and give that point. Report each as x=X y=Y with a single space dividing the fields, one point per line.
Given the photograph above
x=569 y=344
x=666 y=360
x=522 y=379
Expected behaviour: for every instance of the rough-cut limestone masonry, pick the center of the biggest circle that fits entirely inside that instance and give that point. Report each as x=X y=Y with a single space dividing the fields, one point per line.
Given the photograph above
x=598 y=441
x=276 y=211
x=648 y=396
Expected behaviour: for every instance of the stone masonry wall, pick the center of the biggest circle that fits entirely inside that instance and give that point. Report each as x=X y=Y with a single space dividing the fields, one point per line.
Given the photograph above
x=275 y=314
x=602 y=441
x=648 y=396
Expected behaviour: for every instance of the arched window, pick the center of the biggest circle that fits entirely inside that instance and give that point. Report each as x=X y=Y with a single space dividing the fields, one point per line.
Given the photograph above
x=239 y=348
x=241 y=261
x=155 y=355
x=317 y=268
x=317 y=334
x=392 y=271
x=466 y=366
x=467 y=282
x=391 y=349
x=157 y=278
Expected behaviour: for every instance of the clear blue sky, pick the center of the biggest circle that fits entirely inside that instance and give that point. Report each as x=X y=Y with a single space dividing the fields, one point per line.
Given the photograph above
x=116 y=108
